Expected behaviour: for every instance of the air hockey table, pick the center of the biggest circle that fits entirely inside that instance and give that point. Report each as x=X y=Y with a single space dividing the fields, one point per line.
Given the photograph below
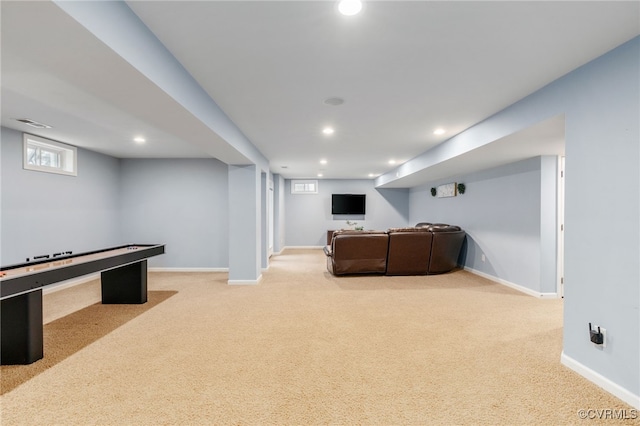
x=123 y=275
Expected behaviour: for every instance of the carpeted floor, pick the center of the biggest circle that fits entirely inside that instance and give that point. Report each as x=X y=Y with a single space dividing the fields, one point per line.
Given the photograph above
x=70 y=333
x=307 y=348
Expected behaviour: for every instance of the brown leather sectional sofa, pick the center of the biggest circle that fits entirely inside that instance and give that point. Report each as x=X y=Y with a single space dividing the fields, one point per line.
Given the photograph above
x=424 y=249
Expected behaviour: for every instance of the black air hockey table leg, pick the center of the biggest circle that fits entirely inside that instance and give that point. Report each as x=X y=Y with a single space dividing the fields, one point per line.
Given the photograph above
x=126 y=284
x=21 y=328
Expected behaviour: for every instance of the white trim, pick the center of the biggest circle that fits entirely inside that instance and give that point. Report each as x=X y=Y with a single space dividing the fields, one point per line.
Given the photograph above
x=69 y=155
x=512 y=285
x=598 y=379
x=302 y=247
x=52 y=288
x=245 y=282
x=188 y=269
x=304 y=182
x=560 y=191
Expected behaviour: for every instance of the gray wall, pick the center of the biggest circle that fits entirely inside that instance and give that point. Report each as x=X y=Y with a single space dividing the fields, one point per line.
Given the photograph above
x=308 y=216
x=501 y=213
x=44 y=213
x=602 y=276
x=181 y=203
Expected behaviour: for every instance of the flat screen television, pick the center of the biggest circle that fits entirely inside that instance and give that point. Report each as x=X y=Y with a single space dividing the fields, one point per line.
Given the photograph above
x=348 y=203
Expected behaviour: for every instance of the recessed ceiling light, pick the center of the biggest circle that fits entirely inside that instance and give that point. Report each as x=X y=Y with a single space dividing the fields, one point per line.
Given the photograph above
x=350 y=7
x=323 y=161
x=32 y=123
x=438 y=131
x=392 y=161
x=139 y=139
x=328 y=131
x=372 y=175
x=333 y=101
x=320 y=174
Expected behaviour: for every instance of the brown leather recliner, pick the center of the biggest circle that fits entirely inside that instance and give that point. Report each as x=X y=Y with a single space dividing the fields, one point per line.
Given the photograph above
x=357 y=252
x=445 y=248
x=409 y=251
x=433 y=249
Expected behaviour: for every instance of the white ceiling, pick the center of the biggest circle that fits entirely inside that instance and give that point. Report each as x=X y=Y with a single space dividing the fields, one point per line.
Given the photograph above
x=403 y=68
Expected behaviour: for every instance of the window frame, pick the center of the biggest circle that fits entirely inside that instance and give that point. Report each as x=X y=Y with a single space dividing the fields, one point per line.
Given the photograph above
x=67 y=155
x=304 y=182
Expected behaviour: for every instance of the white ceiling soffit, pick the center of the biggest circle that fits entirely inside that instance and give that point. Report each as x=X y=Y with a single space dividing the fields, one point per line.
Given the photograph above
x=545 y=138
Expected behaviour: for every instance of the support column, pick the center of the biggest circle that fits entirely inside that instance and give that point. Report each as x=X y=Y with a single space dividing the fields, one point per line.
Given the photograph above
x=548 y=224
x=244 y=224
x=278 y=212
x=264 y=215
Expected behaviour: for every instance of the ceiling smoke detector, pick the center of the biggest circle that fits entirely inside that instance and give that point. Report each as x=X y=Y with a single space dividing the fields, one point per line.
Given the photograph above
x=32 y=123
x=333 y=101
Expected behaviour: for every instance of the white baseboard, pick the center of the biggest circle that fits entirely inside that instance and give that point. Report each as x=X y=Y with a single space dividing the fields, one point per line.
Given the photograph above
x=598 y=379
x=512 y=285
x=86 y=278
x=188 y=269
x=245 y=282
x=302 y=247
x=77 y=281
x=69 y=283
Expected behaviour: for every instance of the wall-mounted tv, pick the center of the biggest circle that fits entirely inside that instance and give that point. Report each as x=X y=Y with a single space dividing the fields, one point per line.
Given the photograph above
x=348 y=203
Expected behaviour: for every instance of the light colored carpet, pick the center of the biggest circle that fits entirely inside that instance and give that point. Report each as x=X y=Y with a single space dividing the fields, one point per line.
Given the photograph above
x=306 y=348
x=70 y=333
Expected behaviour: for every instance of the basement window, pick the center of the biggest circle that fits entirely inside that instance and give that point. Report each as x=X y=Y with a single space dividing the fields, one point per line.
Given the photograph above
x=45 y=155
x=304 y=186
